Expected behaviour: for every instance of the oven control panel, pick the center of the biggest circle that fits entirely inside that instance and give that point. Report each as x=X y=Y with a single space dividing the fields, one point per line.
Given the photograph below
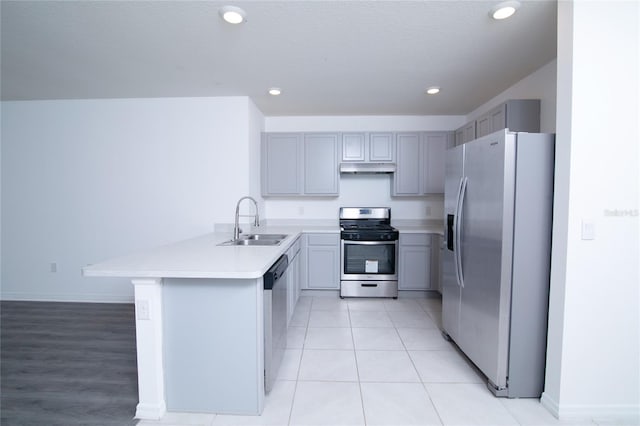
x=369 y=235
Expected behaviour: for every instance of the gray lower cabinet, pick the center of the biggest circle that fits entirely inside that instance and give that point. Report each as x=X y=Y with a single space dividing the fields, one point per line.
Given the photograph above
x=420 y=160
x=322 y=261
x=293 y=278
x=414 y=262
x=300 y=164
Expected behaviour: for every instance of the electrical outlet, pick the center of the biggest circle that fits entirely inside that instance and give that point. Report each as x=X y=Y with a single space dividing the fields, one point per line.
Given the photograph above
x=300 y=210
x=588 y=230
x=53 y=267
x=142 y=310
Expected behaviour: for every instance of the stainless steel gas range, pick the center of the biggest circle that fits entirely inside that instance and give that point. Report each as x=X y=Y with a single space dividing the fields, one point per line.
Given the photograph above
x=368 y=253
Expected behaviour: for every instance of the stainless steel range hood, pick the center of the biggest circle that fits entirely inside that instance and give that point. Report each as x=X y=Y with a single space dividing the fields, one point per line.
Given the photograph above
x=367 y=167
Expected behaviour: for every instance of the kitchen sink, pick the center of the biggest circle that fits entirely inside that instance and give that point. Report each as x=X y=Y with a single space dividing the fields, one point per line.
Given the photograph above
x=263 y=237
x=256 y=240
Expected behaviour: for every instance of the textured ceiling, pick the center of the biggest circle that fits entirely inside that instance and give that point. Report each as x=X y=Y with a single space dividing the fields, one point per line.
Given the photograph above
x=329 y=57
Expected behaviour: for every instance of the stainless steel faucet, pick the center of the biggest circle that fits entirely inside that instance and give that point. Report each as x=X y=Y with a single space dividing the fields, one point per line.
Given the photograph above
x=236 y=226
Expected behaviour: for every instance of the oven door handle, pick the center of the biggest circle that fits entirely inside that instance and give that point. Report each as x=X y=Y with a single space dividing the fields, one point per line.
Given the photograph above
x=369 y=243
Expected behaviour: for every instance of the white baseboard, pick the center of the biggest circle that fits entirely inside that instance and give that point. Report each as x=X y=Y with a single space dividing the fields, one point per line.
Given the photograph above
x=625 y=413
x=50 y=297
x=402 y=294
x=550 y=404
x=150 y=411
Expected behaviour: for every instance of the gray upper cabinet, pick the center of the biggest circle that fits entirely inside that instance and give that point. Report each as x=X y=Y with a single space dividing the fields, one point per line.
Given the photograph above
x=420 y=163
x=281 y=160
x=308 y=164
x=368 y=147
x=517 y=115
x=459 y=136
x=297 y=164
x=466 y=133
x=406 y=179
x=381 y=147
x=434 y=153
x=354 y=147
x=321 y=174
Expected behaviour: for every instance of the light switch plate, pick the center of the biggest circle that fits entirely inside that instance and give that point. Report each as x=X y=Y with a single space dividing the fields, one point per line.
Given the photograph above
x=142 y=310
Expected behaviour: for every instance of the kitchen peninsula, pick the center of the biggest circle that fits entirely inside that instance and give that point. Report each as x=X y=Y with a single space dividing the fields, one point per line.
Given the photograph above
x=219 y=290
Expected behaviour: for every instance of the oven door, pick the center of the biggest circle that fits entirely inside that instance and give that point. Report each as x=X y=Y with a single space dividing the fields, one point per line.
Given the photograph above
x=369 y=260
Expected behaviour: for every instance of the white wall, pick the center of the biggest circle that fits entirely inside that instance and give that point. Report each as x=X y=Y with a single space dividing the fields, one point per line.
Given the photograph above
x=255 y=128
x=358 y=190
x=593 y=355
x=83 y=181
x=540 y=84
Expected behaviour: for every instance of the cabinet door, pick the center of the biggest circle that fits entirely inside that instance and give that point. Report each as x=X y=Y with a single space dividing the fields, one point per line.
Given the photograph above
x=296 y=273
x=414 y=262
x=435 y=148
x=498 y=118
x=323 y=261
x=459 y=137
x=293 y=286
x=353 y=147
x=321 y=164
x=483 y=126
x=469 y=132
x=293 y=278
x=406 y=179
x=381 y=147
x=281 y=164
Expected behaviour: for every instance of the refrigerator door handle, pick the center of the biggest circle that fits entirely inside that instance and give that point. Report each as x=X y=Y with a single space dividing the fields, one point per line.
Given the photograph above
x=458 y=232
x=454 y=243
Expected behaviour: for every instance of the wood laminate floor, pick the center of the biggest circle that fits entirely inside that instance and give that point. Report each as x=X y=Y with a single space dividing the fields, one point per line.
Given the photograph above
x=67 y=364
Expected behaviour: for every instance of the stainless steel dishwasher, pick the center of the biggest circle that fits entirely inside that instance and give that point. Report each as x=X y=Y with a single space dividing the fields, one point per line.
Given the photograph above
x=275 y=319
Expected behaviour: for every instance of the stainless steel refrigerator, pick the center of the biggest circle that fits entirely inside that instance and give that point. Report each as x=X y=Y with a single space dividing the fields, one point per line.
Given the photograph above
x=496 y=256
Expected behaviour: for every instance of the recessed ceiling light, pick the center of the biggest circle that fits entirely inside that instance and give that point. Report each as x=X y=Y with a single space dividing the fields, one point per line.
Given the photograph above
x=233 y=14
x=433 y=90
x=504 y=10
x=275 y=91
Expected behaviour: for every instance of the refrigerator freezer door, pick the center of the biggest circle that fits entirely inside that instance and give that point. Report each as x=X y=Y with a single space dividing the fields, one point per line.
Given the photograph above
x=450 y=288
x=487 y=235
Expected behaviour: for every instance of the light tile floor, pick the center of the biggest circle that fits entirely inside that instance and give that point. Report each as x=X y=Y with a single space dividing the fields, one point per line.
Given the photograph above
x=376 y=362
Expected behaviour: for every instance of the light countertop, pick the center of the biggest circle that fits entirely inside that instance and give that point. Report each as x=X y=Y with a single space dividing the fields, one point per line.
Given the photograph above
x=199 y=257
x=202 y=257
x=431 y=226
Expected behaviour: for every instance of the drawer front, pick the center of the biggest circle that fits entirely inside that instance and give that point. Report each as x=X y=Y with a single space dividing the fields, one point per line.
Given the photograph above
x=415 y=239
x=294 y=249
x=323 y=239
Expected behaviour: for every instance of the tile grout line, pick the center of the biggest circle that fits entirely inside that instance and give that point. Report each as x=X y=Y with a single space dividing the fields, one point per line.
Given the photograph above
x=420 y=377
x=295 y=387
x=364 y=414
